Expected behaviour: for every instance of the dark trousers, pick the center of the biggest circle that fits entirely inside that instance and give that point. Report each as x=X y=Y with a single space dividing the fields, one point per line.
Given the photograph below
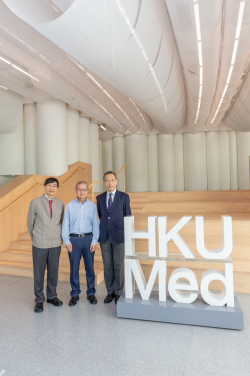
x=81 y=248
x=113 y=260
x=43 y=257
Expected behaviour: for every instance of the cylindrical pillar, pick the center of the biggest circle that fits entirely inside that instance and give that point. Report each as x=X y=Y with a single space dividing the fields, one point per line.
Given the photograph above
x=94 y=152
x=84 y=139
x=119 y=159
x=224 y=160
x=153 y=163
x=29 y=114
x=73 y=134
x=11 y=111
x=52 y=156
x=107 y=156
x=100 y=166
x=213 y=161
x=195 y=162
x=12 y=151
x=243 y=147
x=233 y=160
x=166 y=162
x=136 y=156
x=178 y=162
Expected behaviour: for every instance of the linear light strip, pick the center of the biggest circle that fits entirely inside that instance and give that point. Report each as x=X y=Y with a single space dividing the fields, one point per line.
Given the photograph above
x=236 y=42
x=3 y=87
x=143 y=51
x=21 y=70
x=6 y=61
x=14 y=66
x=199 y=45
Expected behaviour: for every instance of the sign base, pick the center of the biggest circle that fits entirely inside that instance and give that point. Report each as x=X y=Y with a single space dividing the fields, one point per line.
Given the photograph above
x=198 y=313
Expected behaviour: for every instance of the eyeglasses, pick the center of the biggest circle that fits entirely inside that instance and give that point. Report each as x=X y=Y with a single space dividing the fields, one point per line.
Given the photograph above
x=51 y=186
x=109 y=181
x=82 y=190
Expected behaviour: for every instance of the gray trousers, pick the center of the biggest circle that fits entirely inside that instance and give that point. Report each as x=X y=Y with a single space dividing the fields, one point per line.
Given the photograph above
x=113 y=260
x=43 y=257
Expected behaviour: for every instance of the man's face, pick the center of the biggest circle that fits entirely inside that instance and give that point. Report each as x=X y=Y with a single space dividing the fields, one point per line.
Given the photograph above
x=50 y=189
x=82 y=191
x=110 y=182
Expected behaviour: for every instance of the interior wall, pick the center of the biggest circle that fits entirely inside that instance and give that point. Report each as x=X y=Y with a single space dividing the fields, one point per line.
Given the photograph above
x=191 y=162
x=216 y=160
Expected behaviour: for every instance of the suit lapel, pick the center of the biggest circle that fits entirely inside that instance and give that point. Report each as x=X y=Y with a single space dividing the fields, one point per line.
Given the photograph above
x=104 y=201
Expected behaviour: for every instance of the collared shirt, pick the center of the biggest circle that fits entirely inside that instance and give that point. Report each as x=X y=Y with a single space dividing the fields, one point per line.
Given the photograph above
x=48 y=197
x=80 y=219
x=112 y=195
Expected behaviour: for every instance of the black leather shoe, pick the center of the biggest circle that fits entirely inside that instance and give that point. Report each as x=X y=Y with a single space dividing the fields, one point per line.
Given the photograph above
x=109 y=298
x=56 y=302
x=73 y=301
x=92 y=299
x=117 y=298
x=38 y=307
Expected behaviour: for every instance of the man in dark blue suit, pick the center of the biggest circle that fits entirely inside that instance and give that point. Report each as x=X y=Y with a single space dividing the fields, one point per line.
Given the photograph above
x=112 y=207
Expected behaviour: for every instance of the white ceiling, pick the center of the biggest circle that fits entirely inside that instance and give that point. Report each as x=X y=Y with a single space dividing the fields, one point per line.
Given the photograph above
x=133 y=64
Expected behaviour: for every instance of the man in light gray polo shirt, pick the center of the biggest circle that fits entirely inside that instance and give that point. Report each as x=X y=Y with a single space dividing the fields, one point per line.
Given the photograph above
x=44 y=222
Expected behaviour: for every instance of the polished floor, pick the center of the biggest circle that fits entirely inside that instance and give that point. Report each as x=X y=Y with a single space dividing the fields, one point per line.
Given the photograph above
x=91 y=340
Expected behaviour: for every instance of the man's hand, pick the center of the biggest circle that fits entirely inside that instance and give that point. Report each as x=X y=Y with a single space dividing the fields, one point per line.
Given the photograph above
x=92 y=248
x=69 y=247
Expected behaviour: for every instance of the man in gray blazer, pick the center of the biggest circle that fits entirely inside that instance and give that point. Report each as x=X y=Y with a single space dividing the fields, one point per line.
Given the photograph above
x=44 y=222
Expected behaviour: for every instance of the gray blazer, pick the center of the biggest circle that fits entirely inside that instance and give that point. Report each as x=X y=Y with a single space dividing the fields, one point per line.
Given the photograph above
x=45 y=232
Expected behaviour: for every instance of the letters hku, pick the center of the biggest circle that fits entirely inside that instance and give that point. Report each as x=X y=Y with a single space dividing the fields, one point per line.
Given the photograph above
x=180 y=291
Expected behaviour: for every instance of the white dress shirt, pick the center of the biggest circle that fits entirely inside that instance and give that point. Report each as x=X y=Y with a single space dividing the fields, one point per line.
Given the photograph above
x=112 y=195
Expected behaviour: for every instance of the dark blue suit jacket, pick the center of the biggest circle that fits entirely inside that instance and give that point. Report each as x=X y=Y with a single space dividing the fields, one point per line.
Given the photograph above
x=113 y=224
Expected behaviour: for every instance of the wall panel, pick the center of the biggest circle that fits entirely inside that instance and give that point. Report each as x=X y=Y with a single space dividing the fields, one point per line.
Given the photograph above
x=213 y=161
x=119 y=158
x=178 y=162
x=243 y=145
x=224 y=160
x=166 y=162
x=233 y=160
x=153 y=164
x=136 y=157
x=195 y=163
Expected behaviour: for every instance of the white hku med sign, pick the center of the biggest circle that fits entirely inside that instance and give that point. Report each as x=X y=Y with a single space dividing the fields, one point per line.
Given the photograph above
x=181 y=292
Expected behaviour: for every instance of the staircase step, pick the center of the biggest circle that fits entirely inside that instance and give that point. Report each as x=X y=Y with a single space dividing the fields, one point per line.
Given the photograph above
x=24 y=269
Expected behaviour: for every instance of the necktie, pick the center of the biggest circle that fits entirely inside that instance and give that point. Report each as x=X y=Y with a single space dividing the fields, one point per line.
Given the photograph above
x=110 y=202
x=50 y=206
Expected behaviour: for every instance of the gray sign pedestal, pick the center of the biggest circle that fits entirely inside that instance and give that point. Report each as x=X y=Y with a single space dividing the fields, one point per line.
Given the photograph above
x=198 y=313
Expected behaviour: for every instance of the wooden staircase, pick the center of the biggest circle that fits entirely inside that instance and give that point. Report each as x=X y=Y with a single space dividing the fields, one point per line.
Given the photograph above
x=18 y=261
x=210 y=204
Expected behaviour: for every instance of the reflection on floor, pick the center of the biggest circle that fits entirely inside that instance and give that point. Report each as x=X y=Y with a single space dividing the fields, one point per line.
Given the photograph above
x=91 y=340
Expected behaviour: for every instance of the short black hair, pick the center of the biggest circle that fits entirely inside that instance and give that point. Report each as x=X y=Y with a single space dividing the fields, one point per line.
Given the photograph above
x=51 y=180
x=109 y=172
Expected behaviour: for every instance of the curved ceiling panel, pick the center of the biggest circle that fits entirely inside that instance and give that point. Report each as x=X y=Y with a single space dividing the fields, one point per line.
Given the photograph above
x=49 y=81
x=39 y=11
x=19 y=33
x=129 y=41
x=197 y=28
x=236 y=46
